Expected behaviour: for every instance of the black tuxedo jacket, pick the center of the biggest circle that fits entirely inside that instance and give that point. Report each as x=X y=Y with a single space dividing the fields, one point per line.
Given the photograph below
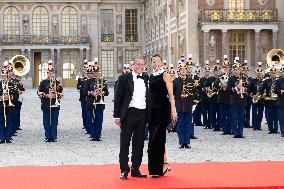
x=123 y=95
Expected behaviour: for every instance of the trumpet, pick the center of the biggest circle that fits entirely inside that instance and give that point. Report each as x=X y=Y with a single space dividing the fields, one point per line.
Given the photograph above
x=187 y=90
x=100 y=84
x=241 y=91
x=6 y=92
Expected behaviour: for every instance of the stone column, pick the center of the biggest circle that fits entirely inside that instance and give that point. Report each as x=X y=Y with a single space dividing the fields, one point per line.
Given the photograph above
x=257 y=45
x=206 y=45
x=81 y=60
x=1 y=61
x=225 y=45
x=275 y=39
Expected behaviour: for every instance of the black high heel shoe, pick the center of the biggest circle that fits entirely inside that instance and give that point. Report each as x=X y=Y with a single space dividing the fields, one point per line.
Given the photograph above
x=168 y=169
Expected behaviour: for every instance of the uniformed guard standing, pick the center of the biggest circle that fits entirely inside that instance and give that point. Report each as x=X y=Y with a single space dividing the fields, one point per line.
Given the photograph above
x=257 y=100
x=224 y=98
x=279 y=90
x=270 y=97
x=50 y=92
x=237 y=87
x=184 y=92
x=203 y=97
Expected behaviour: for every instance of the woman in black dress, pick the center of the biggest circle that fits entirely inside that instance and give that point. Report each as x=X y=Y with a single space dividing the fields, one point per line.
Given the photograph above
x=163 y=111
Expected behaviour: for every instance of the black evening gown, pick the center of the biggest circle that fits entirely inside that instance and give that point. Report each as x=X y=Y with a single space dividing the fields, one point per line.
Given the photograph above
x=160 y=117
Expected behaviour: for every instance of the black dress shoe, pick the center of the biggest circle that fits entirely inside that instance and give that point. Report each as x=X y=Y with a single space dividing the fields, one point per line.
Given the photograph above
x=187 y=146
x=235 y=136
x=137 y=173
x=53 y=140
x=8 y=141
x=259 y=129
x=193 y=137
x=14 y=134
x=181 y=146
x=96 y=139
x=123 y=175
x=19 y=129
x=216 y=129
x=270 y=132
x=156 y=176
x=241 y=136
x=2 y=141
x=47 y=140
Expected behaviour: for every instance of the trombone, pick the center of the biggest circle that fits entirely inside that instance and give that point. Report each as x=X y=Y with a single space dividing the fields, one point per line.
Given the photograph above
x=20 y=66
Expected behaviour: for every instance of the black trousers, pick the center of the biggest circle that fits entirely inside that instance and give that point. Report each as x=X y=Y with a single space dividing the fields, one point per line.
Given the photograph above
x=132 y=126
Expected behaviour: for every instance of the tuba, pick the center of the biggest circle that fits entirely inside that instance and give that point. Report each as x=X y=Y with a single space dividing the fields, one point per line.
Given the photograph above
x=20 y=65
x=276 y=56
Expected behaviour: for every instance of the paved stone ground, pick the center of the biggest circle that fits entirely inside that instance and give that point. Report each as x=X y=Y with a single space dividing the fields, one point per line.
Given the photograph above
x=74 y=147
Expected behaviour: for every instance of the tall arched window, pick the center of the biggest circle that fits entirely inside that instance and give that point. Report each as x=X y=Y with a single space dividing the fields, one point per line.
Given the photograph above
x=40 y=21
x=69 y=21
x=11 y=18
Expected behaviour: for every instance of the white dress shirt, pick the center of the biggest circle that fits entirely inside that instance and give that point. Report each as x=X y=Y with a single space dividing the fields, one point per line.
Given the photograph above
x=139 y=94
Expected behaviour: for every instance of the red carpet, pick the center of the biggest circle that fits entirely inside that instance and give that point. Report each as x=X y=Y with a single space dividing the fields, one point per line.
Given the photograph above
x=193 y=175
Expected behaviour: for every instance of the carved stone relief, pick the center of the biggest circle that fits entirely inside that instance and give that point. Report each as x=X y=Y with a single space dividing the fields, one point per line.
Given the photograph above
x=119 y=24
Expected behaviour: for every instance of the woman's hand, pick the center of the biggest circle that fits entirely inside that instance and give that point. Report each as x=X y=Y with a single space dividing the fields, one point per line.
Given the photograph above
x=174 y=117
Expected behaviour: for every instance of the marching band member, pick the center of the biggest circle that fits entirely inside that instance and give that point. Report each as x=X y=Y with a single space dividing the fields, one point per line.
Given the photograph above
x=257 y=101
x=99 y=91
x=185 y=93
x=89 y=99
x=279 y=90
x=249 y=99
x=6 y=107
x=224 y=98
x=203 y=97
x=212 y=94
x=237 y=88
x=50 y=93
x=270 y=97
x=197 y=111
x=80 y=86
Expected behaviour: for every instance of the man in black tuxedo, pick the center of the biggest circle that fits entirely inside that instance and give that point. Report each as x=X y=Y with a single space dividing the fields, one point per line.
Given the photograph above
x=130 y=113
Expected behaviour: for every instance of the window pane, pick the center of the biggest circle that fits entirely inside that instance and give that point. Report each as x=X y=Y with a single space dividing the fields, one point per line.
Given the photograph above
x=69 y=21
x=11 y=21
x=107 y=63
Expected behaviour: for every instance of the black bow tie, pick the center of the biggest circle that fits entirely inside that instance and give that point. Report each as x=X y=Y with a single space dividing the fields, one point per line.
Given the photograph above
x=139 y=76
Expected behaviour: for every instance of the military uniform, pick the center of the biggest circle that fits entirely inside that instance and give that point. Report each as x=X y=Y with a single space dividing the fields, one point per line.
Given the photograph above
x=279 y=90
x=257 y=105
x=49 y=106
x=267 y=90
x=99 y=108
x=185 y=92
x=6 y=111
x=204 y=82
x=238 y=100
